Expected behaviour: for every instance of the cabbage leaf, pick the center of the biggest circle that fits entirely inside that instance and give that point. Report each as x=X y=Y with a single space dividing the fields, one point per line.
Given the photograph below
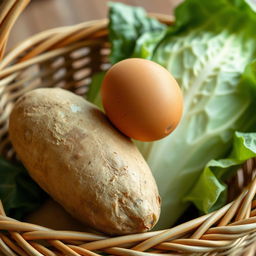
x=209 y=192
x=210 y=50
x=19 y=194
x=126 y=25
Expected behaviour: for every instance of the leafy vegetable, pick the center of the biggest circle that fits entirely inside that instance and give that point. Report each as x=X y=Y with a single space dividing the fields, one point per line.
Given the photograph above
x=93 y=93
x=210 y=183
x=211 y=57
x=126 y=25
x=18 y=192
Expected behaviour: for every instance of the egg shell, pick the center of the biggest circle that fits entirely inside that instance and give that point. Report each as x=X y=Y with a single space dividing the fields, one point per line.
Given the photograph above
x=142 y=99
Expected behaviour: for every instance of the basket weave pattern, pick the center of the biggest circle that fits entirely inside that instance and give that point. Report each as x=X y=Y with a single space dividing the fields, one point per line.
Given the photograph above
x=68 y=57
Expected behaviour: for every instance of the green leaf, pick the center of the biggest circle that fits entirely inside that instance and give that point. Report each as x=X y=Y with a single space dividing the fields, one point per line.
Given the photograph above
x=126 y=25
x=212 y=61
x=93 y=94
x=244 y=146
x=18 y=192
x=209 y=192
x=146 y=44
x=211 y=52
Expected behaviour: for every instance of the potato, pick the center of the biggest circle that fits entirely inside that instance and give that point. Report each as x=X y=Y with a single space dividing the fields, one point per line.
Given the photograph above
x=52 y=215
x=72 y=151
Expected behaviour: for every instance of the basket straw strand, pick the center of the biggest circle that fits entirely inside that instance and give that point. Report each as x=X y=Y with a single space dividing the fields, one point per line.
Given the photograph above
x=10 y=10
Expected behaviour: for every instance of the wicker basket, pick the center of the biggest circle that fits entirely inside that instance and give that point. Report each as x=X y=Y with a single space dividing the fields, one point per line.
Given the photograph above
x=67 y=57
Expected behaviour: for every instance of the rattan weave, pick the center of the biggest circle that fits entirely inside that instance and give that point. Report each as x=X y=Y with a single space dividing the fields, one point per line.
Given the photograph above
x=67 y=57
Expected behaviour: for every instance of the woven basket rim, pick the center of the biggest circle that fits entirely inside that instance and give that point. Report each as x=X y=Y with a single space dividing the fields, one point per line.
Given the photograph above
x=98 y=24
x=206 y=233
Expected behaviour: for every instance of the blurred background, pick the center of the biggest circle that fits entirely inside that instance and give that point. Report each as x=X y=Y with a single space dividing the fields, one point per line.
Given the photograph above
x=45 y=14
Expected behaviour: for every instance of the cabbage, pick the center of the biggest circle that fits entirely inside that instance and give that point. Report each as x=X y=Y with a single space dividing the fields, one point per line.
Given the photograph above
x=210 y=182
x=126 y=24
x=208 y=56
x=210 y=51
x=19 y=194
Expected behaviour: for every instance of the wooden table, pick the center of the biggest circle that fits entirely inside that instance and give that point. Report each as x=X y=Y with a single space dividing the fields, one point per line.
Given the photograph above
x=45 y=14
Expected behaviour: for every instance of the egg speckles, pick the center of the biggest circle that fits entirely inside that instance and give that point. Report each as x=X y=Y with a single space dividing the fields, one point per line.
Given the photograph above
x=142 y=99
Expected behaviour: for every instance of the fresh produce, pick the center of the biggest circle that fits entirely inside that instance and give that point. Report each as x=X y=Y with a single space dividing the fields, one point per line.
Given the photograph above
x=212 y=57
x=18 y=192
x=210 y=51
x=124 y=30
x=72 y=151
x=142 y=99
x=52 y=215
x=210 y=182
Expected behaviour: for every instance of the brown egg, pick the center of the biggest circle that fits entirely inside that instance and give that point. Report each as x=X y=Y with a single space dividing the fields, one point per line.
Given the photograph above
x=142 y=99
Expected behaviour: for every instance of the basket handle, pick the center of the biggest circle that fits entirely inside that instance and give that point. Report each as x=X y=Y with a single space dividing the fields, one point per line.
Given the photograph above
x=9 y=12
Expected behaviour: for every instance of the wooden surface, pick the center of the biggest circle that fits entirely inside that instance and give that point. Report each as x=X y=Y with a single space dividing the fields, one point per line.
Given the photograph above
x=44 y=14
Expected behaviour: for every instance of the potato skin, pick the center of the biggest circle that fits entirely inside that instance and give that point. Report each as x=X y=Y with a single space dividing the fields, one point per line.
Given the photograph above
x=72 y=151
